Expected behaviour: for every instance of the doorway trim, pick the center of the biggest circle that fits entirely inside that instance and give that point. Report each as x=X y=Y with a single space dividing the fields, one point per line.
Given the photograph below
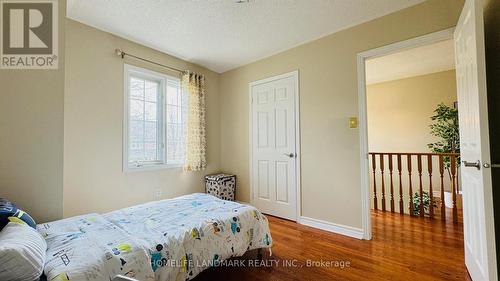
x=363 y=128
x=295 y=75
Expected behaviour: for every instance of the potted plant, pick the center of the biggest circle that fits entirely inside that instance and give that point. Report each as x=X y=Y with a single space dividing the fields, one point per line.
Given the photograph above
x=416 y=203
x=446 y=129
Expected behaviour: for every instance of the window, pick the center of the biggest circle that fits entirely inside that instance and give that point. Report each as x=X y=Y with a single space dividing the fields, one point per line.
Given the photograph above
x=155 y=120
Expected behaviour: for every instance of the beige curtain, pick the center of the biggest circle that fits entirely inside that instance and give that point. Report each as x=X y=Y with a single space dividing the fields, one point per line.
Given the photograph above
x=196 y=142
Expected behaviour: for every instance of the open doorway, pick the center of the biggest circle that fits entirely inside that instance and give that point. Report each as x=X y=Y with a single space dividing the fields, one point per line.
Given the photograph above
x=385 y=72
x=410 y=133
x=413 y=133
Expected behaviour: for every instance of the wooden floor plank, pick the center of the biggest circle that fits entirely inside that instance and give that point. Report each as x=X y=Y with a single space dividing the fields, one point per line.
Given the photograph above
x=402 y=248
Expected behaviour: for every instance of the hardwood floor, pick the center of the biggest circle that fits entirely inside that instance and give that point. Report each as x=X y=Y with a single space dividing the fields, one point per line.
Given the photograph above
x=402 y=248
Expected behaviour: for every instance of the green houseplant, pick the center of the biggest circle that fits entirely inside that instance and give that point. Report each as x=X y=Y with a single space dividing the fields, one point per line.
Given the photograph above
x=416 y=202
x=445 y=127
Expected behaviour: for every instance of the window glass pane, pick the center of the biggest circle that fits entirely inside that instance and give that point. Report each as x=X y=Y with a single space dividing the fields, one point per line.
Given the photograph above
x=180 y=115
x=151 y=91
x=145 y=126
x=136 y=88
x=150 y=151
x=170 y=132
x=179 y=98
x=150 y=131
x=136 y=130
x=150 y=111
x=136 y=152
x=170 y=152
x=136 y=141
x=146 y=123
x=180 y=133
x=176 y=123
x=173 y=114
x=174 y=155
x=136 y=109
x=172 y=95
x=175 y=152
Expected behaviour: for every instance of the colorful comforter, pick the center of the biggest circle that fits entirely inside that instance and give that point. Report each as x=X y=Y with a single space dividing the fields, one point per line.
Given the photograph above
x=164 y=240
x=91 y=248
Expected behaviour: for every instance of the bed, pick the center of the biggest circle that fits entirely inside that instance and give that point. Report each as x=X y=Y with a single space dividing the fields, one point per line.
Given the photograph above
x=164 y=240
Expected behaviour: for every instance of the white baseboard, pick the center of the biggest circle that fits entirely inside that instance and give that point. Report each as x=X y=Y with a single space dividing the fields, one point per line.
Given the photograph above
x=332 y=227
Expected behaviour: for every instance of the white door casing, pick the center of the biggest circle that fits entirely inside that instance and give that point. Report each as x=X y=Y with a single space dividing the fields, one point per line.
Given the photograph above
x=479 y=236
x=366 y=192
x=274 y=145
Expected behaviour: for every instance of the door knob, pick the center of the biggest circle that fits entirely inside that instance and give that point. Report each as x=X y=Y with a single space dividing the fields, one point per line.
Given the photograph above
x=291 y=155
x=476 y=164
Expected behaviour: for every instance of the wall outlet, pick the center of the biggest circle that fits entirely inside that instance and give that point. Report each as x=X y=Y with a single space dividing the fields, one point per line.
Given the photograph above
x=158 y=193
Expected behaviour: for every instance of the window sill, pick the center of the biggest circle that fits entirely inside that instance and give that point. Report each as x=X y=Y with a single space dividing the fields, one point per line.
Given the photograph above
x=154 y=167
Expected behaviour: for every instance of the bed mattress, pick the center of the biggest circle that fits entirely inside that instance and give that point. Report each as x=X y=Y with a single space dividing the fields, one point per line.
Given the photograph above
x=164 y=240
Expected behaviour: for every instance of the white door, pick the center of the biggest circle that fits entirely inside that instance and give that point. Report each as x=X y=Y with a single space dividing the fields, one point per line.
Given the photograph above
x=273 y=144
x=479 y=238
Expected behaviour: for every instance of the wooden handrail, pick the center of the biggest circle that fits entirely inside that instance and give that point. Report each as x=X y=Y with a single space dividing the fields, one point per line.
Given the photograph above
x=416 y=153
x=423 y=159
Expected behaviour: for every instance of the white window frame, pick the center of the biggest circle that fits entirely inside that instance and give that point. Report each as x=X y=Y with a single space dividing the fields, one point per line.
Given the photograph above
x=134 y=71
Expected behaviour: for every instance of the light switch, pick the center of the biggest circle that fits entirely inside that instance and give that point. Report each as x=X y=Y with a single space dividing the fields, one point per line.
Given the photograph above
x=353 y=122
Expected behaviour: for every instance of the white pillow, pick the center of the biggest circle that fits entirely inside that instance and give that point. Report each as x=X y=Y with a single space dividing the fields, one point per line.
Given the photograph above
x=22 y=253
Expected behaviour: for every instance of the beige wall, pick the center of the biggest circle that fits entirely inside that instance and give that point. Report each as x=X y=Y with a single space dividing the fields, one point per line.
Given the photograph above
x=31 y=136
x=399 y=111
x=328 y=96
x=93 y=113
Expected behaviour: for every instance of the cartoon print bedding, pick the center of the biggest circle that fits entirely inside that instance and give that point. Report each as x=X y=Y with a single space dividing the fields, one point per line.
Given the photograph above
x=91 y=248
x=164 y=240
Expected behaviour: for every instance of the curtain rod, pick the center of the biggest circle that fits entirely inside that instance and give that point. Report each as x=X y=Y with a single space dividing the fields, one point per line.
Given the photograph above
x=122 y=54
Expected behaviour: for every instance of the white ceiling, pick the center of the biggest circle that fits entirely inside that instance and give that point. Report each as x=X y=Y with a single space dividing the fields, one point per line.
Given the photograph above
x=221 y=34
x=413 y=62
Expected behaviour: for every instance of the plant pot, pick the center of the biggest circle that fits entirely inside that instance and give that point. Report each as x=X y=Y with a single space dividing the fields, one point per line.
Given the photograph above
x=448 y=199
